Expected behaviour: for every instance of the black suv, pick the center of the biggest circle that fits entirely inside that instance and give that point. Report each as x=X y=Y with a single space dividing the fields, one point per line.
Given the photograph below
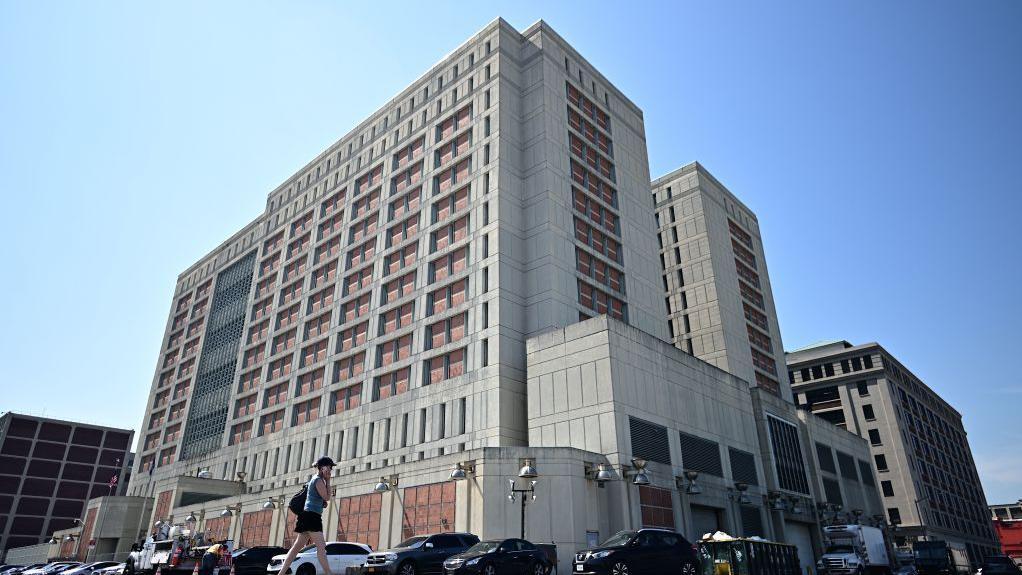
x=499 y=557
x=646 y=551
x=419 y=555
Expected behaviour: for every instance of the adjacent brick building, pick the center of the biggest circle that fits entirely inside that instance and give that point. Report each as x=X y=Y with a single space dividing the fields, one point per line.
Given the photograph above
x=49 y=469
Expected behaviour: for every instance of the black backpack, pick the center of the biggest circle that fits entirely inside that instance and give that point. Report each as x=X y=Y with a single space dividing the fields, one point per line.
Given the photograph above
x=297 y=503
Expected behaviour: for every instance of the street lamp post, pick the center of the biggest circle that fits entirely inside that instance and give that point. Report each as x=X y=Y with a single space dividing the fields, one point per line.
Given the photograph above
x=528 y=471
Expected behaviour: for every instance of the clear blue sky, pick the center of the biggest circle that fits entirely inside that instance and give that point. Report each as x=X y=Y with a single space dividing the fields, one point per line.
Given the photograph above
x=879 y=143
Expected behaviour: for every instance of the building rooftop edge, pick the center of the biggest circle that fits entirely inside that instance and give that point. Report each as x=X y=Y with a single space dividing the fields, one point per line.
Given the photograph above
x=498 y=22
x=700 y=169
x=50 y=419
x=857 y=348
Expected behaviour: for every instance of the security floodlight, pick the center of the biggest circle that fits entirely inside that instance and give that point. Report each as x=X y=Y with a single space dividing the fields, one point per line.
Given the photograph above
x=528 y=470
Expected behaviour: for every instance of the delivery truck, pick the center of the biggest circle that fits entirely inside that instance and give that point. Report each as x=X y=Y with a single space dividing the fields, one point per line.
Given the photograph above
x=854 y=550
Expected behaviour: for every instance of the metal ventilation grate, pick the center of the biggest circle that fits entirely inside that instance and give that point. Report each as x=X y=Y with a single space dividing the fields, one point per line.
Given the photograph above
x=702 y=455
x=847 y=465
x=832 y=491
x=826 y=457
x=752 y=521
x=788 y=461
x=649 y=441
x=210 y=402
x=743 y=466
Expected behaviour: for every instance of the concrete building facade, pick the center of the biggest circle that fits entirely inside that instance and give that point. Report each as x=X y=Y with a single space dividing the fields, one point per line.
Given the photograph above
x=49 y=469
x=920 y=451
x=378 y=309
x=468 y=280
x=716 y=287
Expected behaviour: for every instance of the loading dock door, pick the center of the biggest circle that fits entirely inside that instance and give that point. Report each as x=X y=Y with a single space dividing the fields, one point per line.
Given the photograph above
x=704 y=520
x=800 y=536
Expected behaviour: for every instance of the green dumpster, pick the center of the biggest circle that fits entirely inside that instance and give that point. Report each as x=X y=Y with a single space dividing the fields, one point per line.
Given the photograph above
x=748 y=557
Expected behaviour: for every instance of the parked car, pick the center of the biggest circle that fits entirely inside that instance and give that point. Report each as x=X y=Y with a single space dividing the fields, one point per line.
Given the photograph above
x=999 y=565
x=906 y=570
x=419 y=555
x=499 y=557
x=51 y=568
x=340 y=555
x=254 y=560
x=18 y=569
x=646 y=551
x=116 y=569
x=10 y=569
x=89 y=568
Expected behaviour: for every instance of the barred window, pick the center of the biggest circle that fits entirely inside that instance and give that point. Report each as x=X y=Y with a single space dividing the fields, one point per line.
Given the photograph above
x=788 y=460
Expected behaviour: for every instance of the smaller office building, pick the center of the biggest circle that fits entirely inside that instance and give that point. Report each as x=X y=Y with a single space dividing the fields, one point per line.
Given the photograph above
x=919 y=449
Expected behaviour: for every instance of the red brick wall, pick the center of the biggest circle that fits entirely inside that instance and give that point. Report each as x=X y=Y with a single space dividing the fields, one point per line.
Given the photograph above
x=218 y=528
x=83 y=545
x=428 y=509
x=656 y=507
x=359 y=519
x=162 y=506
x=67 y=549
x=255 y=528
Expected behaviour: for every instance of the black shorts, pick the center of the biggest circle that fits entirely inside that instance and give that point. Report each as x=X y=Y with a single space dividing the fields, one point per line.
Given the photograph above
x=309 y=522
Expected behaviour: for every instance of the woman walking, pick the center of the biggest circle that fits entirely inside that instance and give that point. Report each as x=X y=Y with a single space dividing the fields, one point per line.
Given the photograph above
x=309 y=526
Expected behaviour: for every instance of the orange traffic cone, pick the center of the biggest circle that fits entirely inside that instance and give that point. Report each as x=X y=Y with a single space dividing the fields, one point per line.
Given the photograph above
x=195 y=571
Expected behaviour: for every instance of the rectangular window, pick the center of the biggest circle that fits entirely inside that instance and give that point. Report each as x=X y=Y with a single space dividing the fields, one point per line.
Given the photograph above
x=349 y=367
x=396 y=319
x=867 y=412
x=358 y=280
x=305 y=412
x=397 y=288
x=403 y=231
x=601 y=302
x=393 y=383
x=394 y=350
x=352 y=337
x=450 y=204
x=405 y=204
x=446 y=331
x=448 y=235
x=874 y=437
x=447 y=297
x=445 y=366
x=355 y=308
x=449 y=264
x=348 y=398
x=881 y=462
x=310 y=381
x=887 y=488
